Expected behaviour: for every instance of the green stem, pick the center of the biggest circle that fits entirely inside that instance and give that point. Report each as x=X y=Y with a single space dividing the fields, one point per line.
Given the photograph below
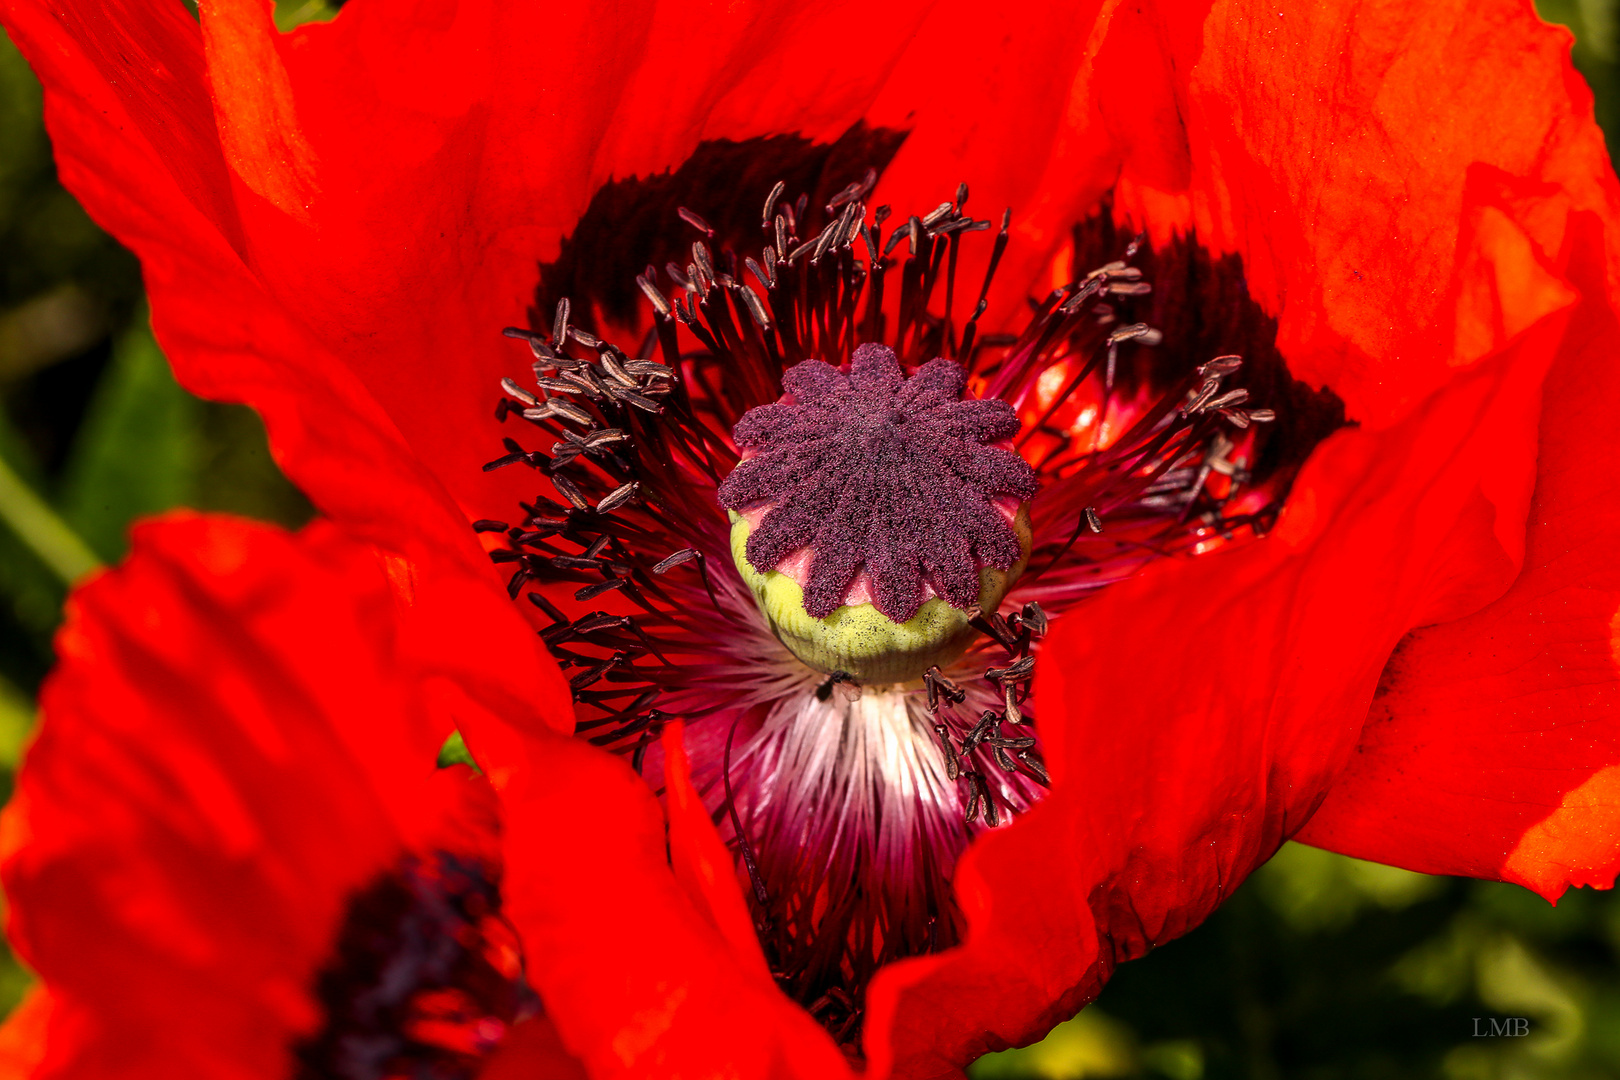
x=16 y=721
x=45 y=533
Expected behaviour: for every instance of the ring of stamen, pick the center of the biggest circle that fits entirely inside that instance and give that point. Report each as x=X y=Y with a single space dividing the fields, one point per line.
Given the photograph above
x=848 y=804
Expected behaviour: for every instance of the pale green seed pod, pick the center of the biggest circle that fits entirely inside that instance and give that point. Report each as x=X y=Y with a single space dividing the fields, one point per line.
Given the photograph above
x=860 y=640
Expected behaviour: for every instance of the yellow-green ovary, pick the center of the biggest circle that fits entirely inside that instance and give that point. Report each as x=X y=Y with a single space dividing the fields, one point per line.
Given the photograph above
x=858 y=638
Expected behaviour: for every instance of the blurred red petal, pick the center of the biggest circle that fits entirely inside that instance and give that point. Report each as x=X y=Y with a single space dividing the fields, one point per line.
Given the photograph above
x=533 y=1050
x=655 y=989
x=700 y=860
x=229 y=748
x=25 y=1034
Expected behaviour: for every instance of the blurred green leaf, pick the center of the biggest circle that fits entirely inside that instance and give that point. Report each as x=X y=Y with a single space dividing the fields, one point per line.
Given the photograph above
x=16 y=722
x=36 y=523
x=293 y=13
x=30 y=594
x=237 y=475
x=137 y=450
x=455 y=752
x=47 y=237
x=14 y=981
x=15 y=452
x=1331 y=968
x=1316 y=890
x=1093 y=1044
x=21 y=132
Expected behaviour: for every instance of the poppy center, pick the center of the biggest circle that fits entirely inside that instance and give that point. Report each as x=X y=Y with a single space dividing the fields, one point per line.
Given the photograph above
x=425 y=980
x=804 y=420
x=873 y=513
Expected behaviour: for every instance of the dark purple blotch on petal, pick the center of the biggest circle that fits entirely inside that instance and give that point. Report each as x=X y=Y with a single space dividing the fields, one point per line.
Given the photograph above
x=873 y=468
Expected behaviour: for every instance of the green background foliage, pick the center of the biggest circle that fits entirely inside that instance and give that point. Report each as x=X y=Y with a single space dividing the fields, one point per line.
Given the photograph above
x=1319 y=967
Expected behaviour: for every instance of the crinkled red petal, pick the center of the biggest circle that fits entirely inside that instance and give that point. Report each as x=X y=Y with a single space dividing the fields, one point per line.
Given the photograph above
x=336 y=223
x=1338 y=152
x=533 y=1050
x=229 y=747
x=1316 y=142
x=128 y=99
x=1196 y=717
x=25 y=1035
x=701 y=861
x=1493 y=748
x=632 y=957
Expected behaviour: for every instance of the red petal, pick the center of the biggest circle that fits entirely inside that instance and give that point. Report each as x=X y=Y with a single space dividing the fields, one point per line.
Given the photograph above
x=653 y=989
x=129 y=106
x=1492 y=749
x=700 y=860
x=334 y=224
x=1338 y=152
x=533 y=1050
x=1334 y=151
x=343 y=247
x=1195 y=717
x=398 y=149
x=1016 y=119
x=24 y=1035
x=229 y=747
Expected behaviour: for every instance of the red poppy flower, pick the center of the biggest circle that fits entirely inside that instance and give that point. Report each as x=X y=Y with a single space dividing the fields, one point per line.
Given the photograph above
x=333 y=222
x=230 y=854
